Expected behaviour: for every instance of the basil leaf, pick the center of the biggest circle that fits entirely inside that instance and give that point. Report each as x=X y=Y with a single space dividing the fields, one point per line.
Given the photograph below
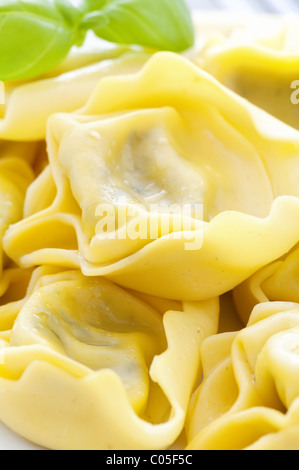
x=157 y=24
x=35 y=36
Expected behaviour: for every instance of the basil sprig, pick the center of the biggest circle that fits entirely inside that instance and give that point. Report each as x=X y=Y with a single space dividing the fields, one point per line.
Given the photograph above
x=36 y=35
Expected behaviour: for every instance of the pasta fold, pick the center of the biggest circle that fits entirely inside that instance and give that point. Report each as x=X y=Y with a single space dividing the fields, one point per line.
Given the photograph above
x=65 y=89
x=15 y=177
x=257 y=57
x=276 y=282
x=140 y=142
x=248 y=398
x=88 y=365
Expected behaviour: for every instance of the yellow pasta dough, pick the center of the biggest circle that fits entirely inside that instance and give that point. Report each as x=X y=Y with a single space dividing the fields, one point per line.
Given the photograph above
x=15 y=177
x=249 y=391
x=249 y=394
x=149 y=257
x=88 y=365
x=185 y=141
x=13 y=288
x=277 y=281
x=64 y=89
x=257 y=57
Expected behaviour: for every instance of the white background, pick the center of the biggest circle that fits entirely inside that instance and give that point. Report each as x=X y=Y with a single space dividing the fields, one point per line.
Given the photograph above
x=271 y=6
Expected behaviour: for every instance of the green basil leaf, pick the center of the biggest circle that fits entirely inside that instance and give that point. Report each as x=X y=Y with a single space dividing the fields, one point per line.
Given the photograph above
x=35 y=36
x=157 y=24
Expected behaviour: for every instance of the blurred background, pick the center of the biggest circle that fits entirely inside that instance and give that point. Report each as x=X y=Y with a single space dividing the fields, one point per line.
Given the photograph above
x=267 y=6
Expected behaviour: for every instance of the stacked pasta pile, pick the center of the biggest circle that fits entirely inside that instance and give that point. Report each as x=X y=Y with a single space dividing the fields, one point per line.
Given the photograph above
x=111 y=341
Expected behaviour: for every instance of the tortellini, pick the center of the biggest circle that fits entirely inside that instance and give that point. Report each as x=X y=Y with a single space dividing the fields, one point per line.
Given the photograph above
x=65 y=89
x=103 y=367
x=149 y=245
x=277 y=281
x=249 y=398
x=257 y=57
x=15 y=177
x=141 y=141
